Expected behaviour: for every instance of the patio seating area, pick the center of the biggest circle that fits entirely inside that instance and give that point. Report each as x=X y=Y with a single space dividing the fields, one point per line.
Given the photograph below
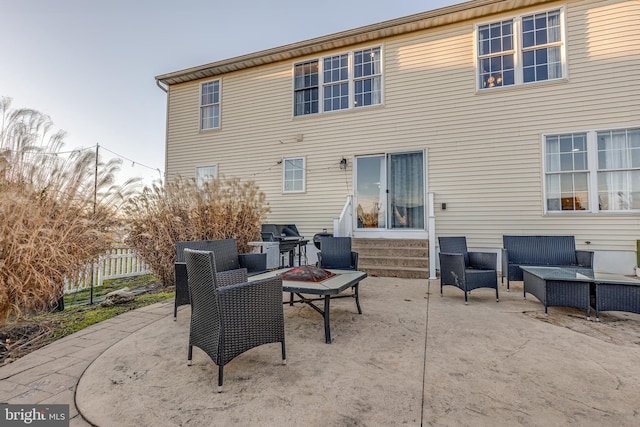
x=411 y=358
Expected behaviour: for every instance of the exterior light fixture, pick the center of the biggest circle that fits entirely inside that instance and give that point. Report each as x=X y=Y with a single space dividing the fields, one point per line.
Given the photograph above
x=343 y=163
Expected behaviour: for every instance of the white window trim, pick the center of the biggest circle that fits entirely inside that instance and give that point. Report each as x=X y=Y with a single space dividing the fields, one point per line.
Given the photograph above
x=592 y=165
x=219 y=104
x=304 y=174
x=199 y=177
x=517 y=43
x=351 y=80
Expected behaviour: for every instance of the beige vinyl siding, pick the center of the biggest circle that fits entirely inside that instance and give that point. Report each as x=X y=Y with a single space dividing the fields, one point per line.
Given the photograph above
x=484 y=149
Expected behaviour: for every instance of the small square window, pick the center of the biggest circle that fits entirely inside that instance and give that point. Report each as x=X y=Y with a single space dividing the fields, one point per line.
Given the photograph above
x=293 y=175
x=205 y=174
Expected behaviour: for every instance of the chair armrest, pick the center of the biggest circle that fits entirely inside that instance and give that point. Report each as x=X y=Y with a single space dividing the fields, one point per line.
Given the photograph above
x=253 y=262
x=231 y=277
x=584 y=258
x=354 y=260
x=483 y=260
x=182 y=284
x=452 y=269
x=254 y=296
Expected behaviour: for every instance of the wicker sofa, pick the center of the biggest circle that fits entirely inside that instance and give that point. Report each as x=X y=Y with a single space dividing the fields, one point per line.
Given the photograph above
x=226 y=258
x=549 y=251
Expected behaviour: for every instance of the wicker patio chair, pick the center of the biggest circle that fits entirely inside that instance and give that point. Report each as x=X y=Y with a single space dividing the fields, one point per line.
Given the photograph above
x=226 y=257
x=335 y=253
x=466 y=270
x=227 y=317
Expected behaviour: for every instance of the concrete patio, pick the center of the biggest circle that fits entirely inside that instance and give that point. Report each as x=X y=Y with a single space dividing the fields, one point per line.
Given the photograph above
x=412 y=358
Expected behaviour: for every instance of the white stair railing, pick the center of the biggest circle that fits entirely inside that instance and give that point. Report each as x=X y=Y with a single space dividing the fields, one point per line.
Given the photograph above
x=343 y=225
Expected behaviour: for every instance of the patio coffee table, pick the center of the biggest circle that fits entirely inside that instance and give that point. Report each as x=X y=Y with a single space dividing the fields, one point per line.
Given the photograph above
x=326 y=291
x=581 y=288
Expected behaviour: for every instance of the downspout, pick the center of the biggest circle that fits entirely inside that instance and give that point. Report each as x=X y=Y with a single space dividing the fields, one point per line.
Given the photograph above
x=166 y=129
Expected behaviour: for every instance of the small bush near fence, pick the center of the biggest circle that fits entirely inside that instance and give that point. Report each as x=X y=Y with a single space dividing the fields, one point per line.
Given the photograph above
x=182 y=210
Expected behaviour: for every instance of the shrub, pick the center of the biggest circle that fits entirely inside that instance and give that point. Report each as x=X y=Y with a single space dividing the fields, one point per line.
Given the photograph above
x=56 y=210
x=181 y=210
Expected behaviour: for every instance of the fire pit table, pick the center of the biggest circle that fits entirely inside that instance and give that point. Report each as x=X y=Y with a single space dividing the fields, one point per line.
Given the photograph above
x=324 y=290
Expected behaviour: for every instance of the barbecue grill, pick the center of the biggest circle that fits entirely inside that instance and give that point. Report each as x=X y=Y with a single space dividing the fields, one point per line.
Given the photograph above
x=288 y=238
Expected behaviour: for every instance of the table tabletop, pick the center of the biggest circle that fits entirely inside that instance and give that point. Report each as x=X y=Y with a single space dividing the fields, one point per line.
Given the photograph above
x=579 y=274
x=342 y=280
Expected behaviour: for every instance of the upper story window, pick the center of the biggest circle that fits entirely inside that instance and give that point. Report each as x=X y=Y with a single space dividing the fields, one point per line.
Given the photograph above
x=338 y=82
x=206 y=174
x=335 y=91
x=593 y=171
x=210 y=105
x=293 y=169
x=306 y=88
x=521 y=50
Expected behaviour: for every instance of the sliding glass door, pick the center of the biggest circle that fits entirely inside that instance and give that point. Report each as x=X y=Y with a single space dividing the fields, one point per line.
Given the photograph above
x=371 y=196
x=390 y=191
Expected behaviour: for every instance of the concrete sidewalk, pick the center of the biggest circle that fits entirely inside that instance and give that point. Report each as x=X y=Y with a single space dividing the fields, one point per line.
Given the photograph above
x=411 y=358
x=50 y=375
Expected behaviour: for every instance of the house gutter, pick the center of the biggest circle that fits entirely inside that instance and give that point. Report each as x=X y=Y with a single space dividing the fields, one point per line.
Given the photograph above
x=163 y=88
x=447 y=15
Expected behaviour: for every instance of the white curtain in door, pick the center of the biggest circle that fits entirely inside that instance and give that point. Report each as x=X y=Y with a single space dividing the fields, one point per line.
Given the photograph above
x=406 y=188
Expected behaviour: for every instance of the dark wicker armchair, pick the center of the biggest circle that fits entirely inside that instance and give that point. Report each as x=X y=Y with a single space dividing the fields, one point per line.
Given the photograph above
x=228 y=314
x=466 y=270
x=335 y=253
x=226 y=258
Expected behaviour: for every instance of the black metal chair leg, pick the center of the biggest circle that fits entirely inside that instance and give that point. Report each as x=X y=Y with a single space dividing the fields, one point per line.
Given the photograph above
x=189 y=356
x=284 y=354
x=220 y=370
x=327 y=330
x=357 y=296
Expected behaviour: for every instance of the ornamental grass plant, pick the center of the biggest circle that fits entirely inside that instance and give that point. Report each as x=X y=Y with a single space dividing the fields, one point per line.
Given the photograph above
x=182 y=210
x=57 y=210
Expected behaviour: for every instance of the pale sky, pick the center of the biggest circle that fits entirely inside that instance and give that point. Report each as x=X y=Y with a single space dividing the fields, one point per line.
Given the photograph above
x=90 y=64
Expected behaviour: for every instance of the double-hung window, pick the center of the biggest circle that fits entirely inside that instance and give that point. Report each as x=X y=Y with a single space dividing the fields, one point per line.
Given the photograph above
x=335 y=92
x=206 y=174
x=367 y=77
x=594 y=171
x=338 y=82
x=619 y=170
x=567 y=172
x=210 y=105
x=293 y=173
x=306 y=88
x=524 y=49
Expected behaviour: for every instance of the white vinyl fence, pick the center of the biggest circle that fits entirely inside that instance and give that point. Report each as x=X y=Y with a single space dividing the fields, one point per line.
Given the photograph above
x=119 y=261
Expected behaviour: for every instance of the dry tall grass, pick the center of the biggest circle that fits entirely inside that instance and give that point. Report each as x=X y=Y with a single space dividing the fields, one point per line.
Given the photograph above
x=54 y=214
x=180 y=210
